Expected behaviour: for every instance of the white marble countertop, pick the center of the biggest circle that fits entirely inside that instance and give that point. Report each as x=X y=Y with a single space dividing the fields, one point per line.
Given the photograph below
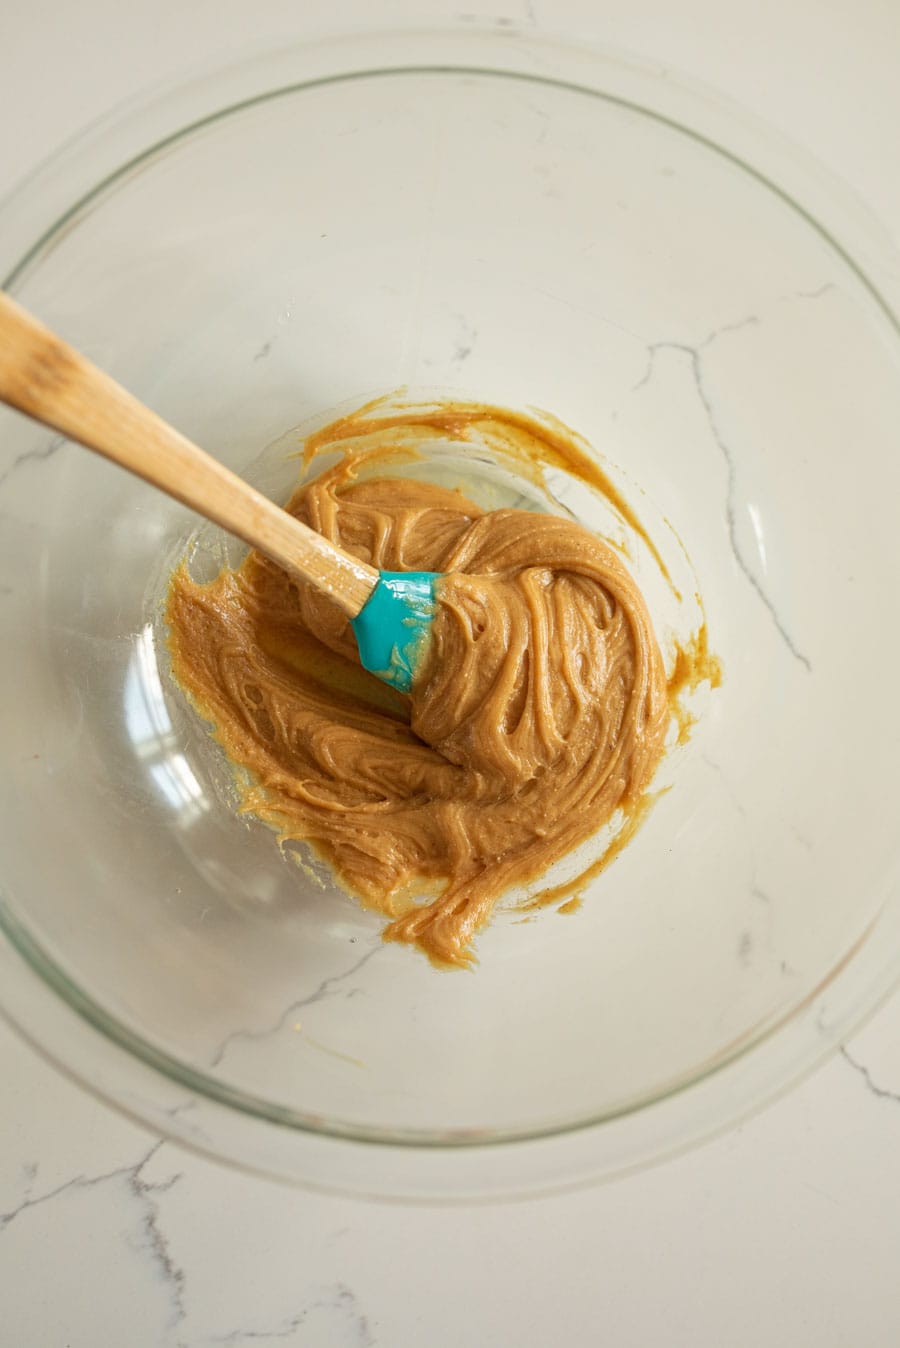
x=782 y=1232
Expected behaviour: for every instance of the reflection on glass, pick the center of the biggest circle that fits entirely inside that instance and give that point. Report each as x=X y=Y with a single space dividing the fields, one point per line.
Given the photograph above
x=153 y=737
x=758 y=533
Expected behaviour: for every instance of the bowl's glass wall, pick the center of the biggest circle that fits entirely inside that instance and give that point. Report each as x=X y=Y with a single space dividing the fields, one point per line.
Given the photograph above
x=530 y=244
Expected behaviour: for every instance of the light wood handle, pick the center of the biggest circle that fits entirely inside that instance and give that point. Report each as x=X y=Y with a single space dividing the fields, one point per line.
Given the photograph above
x=46 y=379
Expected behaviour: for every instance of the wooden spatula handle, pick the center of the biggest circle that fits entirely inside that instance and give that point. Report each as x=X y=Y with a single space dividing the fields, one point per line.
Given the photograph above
x=46 y=379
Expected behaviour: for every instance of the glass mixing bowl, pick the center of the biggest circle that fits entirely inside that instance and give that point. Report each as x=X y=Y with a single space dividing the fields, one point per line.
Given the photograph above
x=507 y=218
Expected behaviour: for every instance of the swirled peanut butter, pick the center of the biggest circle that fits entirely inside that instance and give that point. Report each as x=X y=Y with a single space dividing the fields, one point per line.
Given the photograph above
x=540 y=709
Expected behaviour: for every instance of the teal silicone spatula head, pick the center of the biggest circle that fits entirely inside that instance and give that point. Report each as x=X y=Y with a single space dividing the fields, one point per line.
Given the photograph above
x=393 y=627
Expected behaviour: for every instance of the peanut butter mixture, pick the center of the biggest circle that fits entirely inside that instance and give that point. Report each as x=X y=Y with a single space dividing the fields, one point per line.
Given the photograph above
x=540 y=709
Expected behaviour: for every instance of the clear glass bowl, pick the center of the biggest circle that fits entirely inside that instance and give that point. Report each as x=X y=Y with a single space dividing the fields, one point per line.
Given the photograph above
x=508 y=218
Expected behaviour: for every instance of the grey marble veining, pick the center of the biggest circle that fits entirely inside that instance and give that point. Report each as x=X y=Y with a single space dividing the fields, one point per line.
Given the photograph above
x=334 y=986
x=338 y=1303
x=144 y=1192
x=32 y=456
x=880 y=1092
x=196 y=1255
x=695 y=355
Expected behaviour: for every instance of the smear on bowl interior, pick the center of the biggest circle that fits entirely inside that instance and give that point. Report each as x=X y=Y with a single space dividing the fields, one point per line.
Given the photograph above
x=541 y=709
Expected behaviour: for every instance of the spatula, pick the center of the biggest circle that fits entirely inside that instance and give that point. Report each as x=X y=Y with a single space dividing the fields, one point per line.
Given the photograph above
x=40 y=375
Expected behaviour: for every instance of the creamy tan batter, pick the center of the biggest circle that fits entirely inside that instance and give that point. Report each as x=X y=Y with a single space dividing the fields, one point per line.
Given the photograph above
x=540 y=710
